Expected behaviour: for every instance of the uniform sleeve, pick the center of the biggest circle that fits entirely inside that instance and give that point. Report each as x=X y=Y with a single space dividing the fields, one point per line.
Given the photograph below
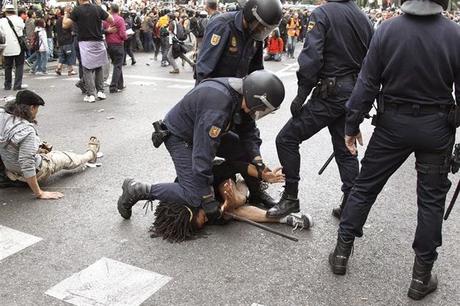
x=311 y=57
x=214 y=43
x=257 y=62
x=366 y=88
x=206 y=138
x=249 y=136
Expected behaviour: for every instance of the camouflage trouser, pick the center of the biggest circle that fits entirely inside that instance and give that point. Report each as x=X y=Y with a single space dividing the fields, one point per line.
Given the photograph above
x=54 y=162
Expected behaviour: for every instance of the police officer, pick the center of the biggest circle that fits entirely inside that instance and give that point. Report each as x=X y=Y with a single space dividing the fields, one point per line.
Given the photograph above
x=336 y=42
x=233 y=41
x=233 y=47
x=413 y=114
x=196 y=126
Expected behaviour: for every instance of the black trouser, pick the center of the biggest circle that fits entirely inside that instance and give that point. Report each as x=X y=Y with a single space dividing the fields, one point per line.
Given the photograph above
x=317 y=114
x=116 y=53
x=18 y=63
x=395 y=138
x=129 y=49
x=157 y=44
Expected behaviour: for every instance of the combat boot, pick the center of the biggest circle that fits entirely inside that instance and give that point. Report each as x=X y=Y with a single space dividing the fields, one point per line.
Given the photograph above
x=423 y=283
x=287 y=205
x=258 y=194
x=337 y=212
x=132 y=193
x=338 y=259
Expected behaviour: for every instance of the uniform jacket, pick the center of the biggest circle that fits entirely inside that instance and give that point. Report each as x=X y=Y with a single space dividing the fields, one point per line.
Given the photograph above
x=414 y=59
x=203 y=116
x=337 y=39
x=227 y=50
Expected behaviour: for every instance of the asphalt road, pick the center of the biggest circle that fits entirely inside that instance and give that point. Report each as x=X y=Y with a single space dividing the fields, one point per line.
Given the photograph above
x=233 y=265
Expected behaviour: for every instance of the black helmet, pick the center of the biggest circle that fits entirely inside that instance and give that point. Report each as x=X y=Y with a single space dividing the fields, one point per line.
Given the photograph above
x=443 y=3
x=263 y=92
x=262 y=16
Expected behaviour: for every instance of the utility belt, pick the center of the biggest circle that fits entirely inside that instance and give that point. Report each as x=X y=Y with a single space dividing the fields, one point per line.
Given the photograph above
x=327 y=87
x=160 y=134
x=416 y=109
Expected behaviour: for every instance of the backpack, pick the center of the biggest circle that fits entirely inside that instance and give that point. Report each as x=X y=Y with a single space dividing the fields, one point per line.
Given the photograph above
x=35 y=42
x=180 y=32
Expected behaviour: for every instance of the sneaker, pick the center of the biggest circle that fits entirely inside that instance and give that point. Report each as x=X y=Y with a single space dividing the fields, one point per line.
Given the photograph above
x=304 y=221
x=101 y=95
x=72 y=73
x=94 y=145
x=23 y=86
x=89 y=99
x=39 y=73
x=58 y=71
x=115 y=90
x=28 y=63
x=174 y=71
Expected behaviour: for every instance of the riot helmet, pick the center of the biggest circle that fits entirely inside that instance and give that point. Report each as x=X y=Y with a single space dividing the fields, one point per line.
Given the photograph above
x=262 y=16
x=263 y=92
x=443 y=3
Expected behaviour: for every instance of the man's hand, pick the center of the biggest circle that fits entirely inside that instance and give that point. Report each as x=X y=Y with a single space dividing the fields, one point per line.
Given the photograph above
x=350 y=143
x=50 y=195
x=275 y=176
x=296 y=106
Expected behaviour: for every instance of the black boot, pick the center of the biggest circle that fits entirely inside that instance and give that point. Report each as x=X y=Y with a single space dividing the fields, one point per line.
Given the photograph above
x=337 y=212
x=287 y=205
x=258 y=194
x=132 y=193
x=338 y=259
x=423 y=283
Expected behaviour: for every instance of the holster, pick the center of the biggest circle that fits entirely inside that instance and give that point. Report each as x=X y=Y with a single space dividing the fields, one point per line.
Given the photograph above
x=160 y=134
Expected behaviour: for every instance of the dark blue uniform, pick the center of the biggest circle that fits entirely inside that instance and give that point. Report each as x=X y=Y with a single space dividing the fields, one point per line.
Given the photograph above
x=337 y=39
x=416 y=61
x=227 y=50
x=199 y=125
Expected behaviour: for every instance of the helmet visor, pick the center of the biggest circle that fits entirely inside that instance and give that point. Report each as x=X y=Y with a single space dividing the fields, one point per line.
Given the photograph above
x=258 y=28
x=262 y=110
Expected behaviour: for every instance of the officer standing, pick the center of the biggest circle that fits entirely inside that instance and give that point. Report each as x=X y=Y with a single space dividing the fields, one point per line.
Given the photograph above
x=412 y=117
x=337 y=39
x=196 y=126
x=233 y=42
x=233 y=47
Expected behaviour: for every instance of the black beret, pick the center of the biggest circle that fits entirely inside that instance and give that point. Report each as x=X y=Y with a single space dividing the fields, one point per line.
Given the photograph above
x=28 y=97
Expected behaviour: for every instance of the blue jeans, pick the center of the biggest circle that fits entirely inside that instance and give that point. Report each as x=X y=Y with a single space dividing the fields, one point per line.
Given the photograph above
x=40 y=63
x=50 y=48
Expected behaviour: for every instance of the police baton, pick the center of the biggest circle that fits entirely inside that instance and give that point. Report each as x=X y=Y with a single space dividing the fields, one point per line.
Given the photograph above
x=452 y=202
x=328 y=161
x=265 y=228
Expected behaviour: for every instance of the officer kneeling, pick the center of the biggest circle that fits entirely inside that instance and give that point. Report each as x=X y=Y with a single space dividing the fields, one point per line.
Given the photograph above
x=195 y=127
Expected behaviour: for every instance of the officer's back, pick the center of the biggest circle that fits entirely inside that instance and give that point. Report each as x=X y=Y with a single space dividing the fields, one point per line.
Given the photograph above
x=419 y=59
x=347 y=32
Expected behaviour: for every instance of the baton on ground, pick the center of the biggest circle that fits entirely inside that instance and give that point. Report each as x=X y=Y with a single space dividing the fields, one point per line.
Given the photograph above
x=266 y=228
x=328 y=161
x=452 y=202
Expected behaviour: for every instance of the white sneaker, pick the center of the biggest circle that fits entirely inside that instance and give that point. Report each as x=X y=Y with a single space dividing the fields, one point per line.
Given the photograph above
x=89 y=99
x=101 y=95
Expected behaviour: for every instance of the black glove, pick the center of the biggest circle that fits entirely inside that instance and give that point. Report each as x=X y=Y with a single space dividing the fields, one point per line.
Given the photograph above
x=212 y=210
x=299 y=100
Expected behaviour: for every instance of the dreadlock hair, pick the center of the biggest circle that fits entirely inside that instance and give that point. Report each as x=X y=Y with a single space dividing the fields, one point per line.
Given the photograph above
x=172 y=222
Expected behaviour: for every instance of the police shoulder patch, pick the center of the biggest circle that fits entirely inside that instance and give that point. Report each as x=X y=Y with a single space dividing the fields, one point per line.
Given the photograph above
x=311 y=25
x=214 y=131
x=215 y=39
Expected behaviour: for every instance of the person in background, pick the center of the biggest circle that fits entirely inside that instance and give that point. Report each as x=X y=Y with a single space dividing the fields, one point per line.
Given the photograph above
x=115 y=47
x=12 y=25
x=130 y=38
x=275 y=47
x=293 y=28
x=66 y=46
x=41 y=41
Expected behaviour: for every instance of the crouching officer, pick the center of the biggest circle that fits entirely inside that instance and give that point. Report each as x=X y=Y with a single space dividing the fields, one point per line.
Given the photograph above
x=412 y=118
x=196 y=128
x=233 y=41
x=336 y=42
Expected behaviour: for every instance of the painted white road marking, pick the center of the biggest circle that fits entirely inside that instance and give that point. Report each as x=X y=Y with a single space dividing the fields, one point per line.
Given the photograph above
x=45 y=78
x=144 y=83
x=178 y=86
x=13 y=241
x=151 y=78
x=109 y=282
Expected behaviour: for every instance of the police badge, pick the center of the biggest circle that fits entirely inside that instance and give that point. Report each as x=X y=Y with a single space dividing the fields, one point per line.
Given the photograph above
x=215 y=39
x=214 y=132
